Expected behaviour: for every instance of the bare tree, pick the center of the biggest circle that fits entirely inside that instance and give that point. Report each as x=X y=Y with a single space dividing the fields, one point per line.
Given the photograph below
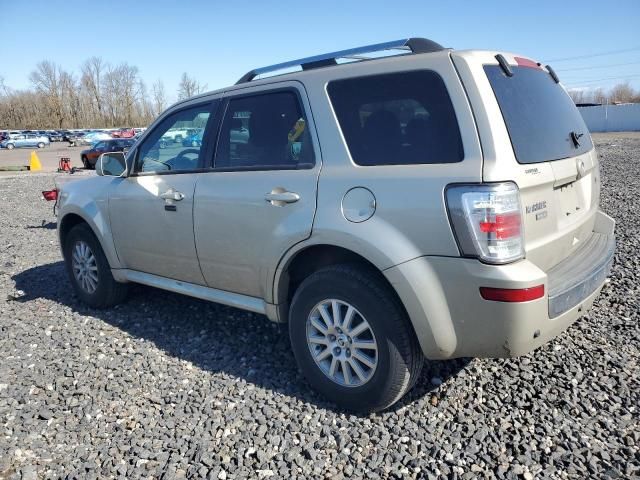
x=8 y=114
x=577 y=95
x=622 y=93
x=93 y=82
x=599 y=96
x=102 y=95
x=130 y=89
x=71 y=98
x=159 y=97
x=189 y=87
x=46 y=79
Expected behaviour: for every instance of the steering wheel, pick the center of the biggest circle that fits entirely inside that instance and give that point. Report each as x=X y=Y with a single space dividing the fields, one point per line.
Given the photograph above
x=180 y=158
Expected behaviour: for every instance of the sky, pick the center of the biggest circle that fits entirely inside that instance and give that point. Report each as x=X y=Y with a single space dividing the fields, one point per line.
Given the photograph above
x=589 y=43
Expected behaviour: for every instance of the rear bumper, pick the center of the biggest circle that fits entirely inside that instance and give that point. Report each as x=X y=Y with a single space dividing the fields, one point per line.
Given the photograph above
x=451 y=319
x=575 y=278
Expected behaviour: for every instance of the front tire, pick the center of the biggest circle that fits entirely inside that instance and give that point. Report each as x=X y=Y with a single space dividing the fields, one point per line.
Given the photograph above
x=41 y=145
x=89 y=270
x=10 y=146
x=352 y=339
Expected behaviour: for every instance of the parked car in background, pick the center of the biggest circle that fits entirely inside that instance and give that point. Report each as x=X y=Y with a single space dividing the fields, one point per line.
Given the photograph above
x=71 y=137
x=25 y=141
x=194 y=139
x=175 y=135
x=90 y=156
x=55 y=136
x=91 y=138
x=124 y=133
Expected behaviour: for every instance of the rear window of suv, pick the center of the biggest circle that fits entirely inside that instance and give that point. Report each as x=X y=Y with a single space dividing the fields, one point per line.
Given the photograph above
x=403 y=118
x=540 y=116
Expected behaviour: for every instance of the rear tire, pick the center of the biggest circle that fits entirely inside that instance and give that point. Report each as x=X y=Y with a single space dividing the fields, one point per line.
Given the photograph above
x=41 y=145
x=393 y=357
x=10 y=146
x=85 y=163
x=89 y=270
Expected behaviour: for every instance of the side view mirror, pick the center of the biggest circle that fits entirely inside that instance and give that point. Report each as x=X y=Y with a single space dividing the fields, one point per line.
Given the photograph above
x=112 y=164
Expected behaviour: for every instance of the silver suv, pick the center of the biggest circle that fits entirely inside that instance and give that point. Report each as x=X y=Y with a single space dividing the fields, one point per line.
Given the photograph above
x=425 y=203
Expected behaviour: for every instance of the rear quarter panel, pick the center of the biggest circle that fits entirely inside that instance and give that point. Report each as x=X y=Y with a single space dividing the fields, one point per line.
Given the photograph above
x=410 y=218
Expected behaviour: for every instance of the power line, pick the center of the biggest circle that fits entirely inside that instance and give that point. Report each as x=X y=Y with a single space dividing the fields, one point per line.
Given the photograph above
x=612 y=52
x=578 y=83
x=597 y=66
x=595 y=75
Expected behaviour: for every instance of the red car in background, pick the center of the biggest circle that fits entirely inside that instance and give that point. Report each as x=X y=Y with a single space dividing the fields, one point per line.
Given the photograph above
x=123 y=133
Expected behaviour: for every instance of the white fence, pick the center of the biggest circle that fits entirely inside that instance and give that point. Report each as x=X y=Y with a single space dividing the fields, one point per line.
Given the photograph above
x=612 y=118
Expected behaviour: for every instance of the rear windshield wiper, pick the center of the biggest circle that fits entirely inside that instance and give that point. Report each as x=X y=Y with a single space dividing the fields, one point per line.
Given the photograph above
x=575 y=137
x=553 y=74
x=504 y=65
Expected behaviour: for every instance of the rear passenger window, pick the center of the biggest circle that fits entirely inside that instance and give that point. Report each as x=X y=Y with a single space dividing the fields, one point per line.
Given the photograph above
x=397 y=119
x=265 y=131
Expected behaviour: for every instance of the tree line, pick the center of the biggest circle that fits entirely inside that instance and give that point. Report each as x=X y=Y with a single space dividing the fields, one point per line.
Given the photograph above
x=100 y=95
x=621 y=93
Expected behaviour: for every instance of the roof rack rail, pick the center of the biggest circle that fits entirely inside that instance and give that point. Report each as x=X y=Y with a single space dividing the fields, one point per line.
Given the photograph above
x=414 y=45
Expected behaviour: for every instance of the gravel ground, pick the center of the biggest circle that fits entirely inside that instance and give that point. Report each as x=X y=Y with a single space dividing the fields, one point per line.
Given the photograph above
x=166 y=386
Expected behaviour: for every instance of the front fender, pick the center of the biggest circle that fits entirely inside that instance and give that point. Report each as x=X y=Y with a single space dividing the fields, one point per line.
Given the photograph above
x=89 y=200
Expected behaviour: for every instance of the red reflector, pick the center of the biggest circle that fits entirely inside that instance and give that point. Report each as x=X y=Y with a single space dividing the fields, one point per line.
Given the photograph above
x=525 y=62
x=50 y=195
x=512 y=294
x=504 y=226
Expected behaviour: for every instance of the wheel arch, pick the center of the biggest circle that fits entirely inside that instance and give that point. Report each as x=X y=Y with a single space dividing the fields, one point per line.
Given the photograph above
x=70 y=220
x=309 y=259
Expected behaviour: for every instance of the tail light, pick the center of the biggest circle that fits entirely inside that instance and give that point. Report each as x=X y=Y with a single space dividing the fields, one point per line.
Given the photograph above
x=487 y=221
x=50 y=195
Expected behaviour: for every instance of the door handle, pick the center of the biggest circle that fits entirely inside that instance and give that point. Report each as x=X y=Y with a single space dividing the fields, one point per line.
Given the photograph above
x=280 y=198
x=172 y=194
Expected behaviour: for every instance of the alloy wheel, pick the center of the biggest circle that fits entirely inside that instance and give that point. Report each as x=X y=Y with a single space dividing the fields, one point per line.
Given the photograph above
x=342 y=343
x=85 y=267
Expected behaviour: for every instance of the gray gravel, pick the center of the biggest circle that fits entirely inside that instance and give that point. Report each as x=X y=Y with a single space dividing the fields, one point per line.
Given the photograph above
x=166 y=386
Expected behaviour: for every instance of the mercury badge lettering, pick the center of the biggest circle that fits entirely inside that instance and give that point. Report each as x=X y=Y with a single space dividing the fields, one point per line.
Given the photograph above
x=536 y=207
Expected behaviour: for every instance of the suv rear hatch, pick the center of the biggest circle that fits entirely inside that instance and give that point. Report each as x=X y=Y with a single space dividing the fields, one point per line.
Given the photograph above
x=532 y=134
